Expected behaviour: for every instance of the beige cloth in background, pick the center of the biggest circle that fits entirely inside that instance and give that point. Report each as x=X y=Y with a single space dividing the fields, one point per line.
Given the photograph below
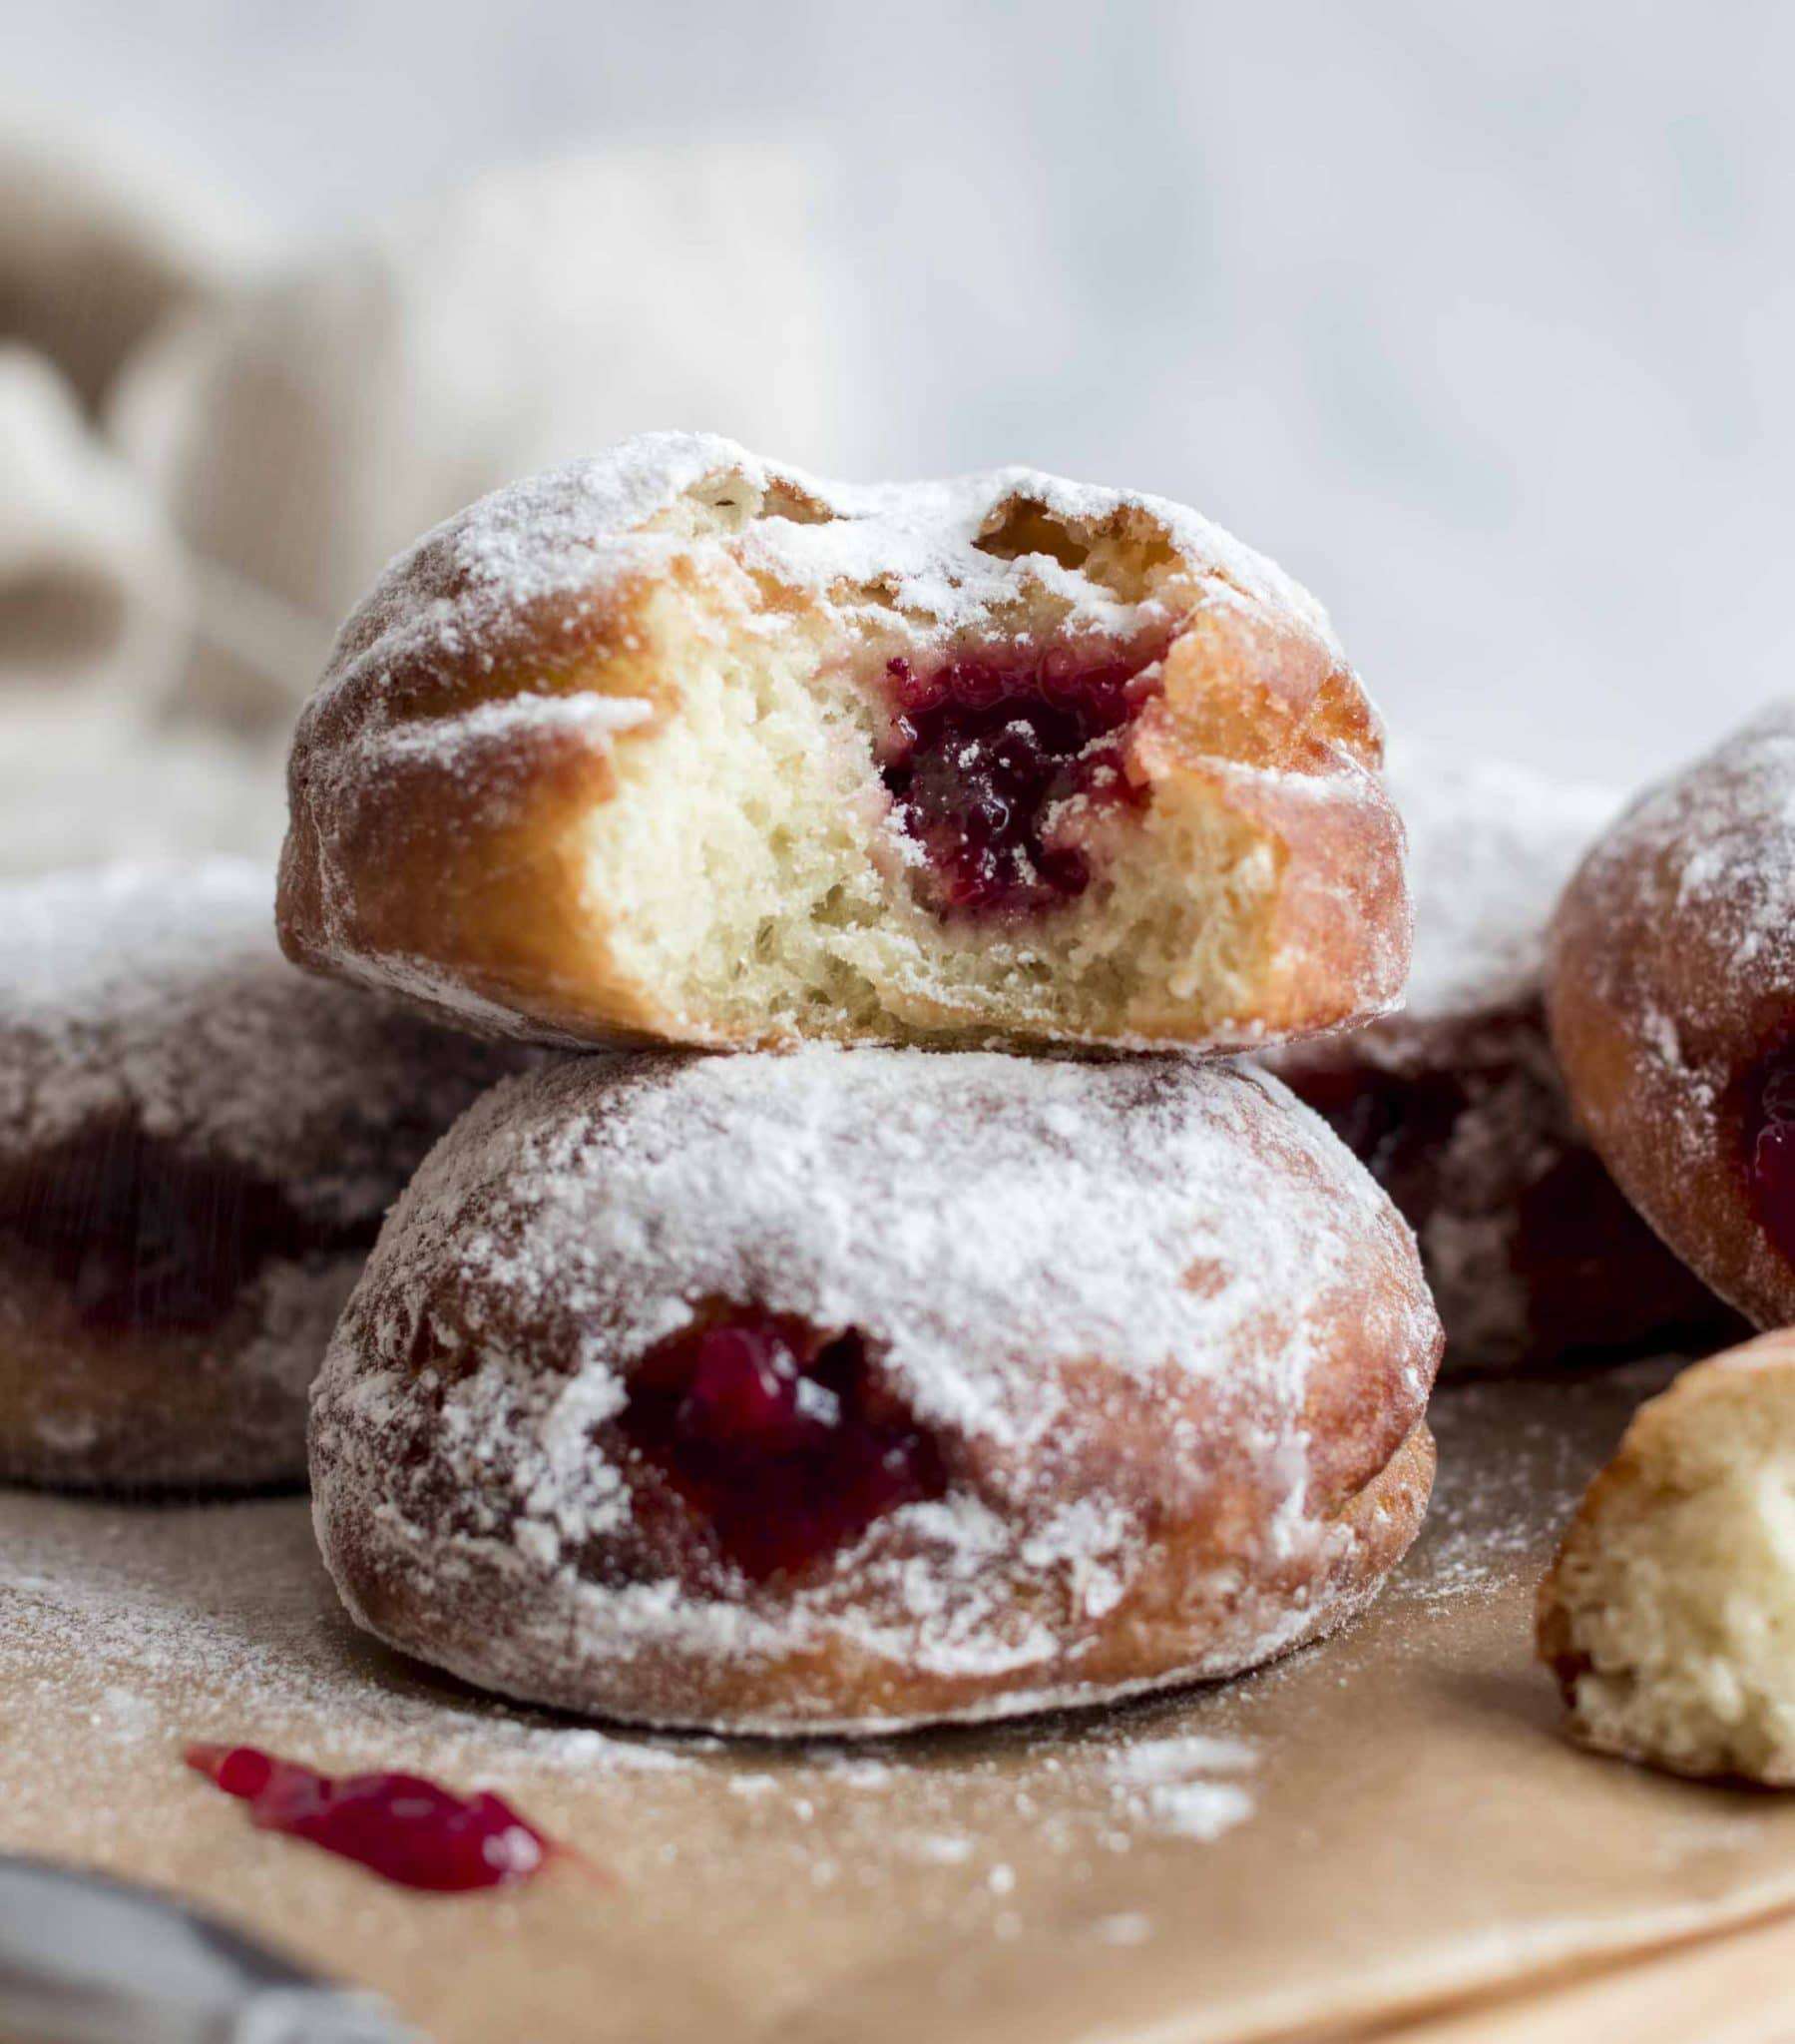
x=318 y=423
x=207 y=456
x=98 y=244
x=92 y=589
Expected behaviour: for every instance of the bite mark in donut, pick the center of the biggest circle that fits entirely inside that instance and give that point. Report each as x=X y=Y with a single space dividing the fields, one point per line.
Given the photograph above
x=780 y=1436
x=995 y=759
x=679 y=745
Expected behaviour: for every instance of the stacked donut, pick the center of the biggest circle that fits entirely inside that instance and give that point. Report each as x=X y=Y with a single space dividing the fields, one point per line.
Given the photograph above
x=779 y=953
x=889 y=1305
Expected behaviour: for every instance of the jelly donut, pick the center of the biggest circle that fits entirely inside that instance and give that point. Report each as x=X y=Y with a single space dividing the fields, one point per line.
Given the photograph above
x=1456 y=1104
x=196 y=1145
x=849 y=1389
x=677 y=747
x=1671 y=994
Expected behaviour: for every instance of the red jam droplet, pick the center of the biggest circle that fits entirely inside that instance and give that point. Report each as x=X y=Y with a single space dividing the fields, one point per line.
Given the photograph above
x=992 y=759
x=147 y=1241
x=1771 y=1150
x=780 y=1437
x=400 y=1826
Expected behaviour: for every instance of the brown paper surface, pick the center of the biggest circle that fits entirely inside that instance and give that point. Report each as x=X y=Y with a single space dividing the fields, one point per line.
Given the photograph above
x=1382 y=1820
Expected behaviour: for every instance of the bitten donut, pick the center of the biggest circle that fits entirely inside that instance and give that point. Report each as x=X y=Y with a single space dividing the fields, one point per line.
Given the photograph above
x=676 y=746
x=853 y=1389
x=1456 y=1104
x=1668 y=1615
x=196 y=1145
x=1673 y=1002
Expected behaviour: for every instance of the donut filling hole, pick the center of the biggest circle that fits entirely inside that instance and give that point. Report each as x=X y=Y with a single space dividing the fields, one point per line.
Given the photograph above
x=995 y=766
x=1770 y=1151
x=779 y=1437
x=143 y=1239
x=851 y=822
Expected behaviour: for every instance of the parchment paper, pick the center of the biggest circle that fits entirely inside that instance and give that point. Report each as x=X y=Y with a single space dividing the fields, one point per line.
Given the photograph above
x=1381 y=1821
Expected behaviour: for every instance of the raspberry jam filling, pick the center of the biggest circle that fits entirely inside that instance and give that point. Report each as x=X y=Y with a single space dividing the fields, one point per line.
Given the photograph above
x=402 y=1826
x=996 y=761
x=1770 y=1151
x=780 y=1436
x=147 y=1240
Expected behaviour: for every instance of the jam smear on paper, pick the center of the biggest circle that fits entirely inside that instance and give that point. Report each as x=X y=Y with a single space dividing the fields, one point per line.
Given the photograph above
x=402 y=1826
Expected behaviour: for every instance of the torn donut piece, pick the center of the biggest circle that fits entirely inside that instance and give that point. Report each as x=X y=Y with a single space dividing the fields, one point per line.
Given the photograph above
x=853 y=1389
x=677 y=746
x=1668 y=1615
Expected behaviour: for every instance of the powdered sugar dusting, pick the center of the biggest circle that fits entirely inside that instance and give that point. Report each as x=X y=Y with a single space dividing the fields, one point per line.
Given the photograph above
x=585 y=715
x=573 y=533
x=156 y=994
x=1717 y=843
x=1491 y=847
x=1022 y=1243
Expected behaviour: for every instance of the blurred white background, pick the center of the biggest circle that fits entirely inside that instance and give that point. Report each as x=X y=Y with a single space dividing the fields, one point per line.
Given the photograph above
x=1480 y=320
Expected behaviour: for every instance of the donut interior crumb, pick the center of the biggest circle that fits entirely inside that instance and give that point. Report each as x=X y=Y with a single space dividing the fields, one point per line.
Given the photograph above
x=773 y=878
x=1671 y=1613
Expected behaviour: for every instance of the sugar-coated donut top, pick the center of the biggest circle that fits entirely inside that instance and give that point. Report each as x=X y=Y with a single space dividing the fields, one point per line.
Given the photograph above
x=983 y=1220
x=1491 y=847
x=1715 y=846
x=155 y=994
x=568 y=534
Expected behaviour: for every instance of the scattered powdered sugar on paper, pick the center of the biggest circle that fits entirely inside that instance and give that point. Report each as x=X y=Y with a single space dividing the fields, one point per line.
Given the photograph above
x=1126 y=1927
x=128 y=1633
x=1172 y=1783
x=1498 y=1488
x=192 y=1620
x=1183 y=1756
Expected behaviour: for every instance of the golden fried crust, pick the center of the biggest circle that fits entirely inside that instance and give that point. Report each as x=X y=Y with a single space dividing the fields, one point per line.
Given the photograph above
x=1259 y=717
x=440 y=839
x=466 y=858
x=1199 y=1612
x=1671 y=983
